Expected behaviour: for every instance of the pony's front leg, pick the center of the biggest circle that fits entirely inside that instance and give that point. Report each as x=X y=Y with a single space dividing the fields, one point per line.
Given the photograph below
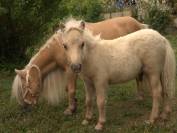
x=90 y=93
x=101 y=95
x=71 y=88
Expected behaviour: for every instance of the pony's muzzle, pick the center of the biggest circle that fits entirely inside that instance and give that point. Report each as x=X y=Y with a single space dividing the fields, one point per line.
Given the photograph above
x=26 y=107
x=76 y=68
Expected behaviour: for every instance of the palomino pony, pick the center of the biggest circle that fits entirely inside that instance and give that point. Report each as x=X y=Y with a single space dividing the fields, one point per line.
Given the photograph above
x=44 y=75
x=103 y=62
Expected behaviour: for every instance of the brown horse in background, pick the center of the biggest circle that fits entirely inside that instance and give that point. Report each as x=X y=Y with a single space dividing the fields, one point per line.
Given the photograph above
x=46 y=72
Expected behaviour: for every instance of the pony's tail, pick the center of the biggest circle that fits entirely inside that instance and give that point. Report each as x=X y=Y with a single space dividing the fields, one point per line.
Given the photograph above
x=54 y=87
x=169 y=73
x=144 y=26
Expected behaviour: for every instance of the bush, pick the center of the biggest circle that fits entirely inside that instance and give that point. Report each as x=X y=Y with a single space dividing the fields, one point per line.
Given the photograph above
x=157 y=17
x=87 y=9
x=23 y=24
x=26 y=23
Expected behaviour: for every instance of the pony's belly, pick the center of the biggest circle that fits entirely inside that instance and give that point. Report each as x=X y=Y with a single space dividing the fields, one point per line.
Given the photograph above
x=121 y=79
x=125 y=74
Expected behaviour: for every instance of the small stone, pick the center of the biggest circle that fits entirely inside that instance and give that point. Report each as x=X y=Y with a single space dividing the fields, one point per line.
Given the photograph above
x=85 y=122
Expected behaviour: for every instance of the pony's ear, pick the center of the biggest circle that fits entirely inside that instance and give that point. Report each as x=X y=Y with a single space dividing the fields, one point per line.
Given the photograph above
x=58 y=26
x=61 y=26
x=55 y=27
x=21 y=73
x=34 y=74
x=82 y=25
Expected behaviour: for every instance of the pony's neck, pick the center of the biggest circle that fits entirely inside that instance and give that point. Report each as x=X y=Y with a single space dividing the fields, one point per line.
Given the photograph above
x=43 y=60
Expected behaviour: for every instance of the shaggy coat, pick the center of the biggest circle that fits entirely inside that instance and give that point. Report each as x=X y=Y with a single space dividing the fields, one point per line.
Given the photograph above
x=103 y=62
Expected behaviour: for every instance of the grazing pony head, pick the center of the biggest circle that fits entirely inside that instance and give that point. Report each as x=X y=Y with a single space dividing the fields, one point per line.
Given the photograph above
x=27 y=85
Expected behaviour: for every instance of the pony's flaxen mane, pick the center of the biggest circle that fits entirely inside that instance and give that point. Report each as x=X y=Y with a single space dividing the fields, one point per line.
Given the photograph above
x=53 y=86
x=17 y=91
x=90 y=38
x=46 y=45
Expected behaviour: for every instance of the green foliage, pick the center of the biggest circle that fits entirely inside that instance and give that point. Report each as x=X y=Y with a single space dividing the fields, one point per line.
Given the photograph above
x=86 y=9
x=26 y=23
x=134 y=12
x=157 y=17
x=23 y=23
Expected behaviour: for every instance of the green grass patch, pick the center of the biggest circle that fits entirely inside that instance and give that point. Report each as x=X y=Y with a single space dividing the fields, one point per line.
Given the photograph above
x=125 y=114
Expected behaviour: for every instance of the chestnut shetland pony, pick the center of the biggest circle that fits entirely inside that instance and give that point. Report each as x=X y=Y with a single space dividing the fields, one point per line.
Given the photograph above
x=103 y=62
x=44 y=74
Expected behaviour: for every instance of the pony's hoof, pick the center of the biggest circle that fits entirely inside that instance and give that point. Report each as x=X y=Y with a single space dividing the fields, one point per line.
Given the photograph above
x=68 y=112
x=149 y=122
x=164 y=116
x=85 y=122
x=140 y=98
x=99 y=127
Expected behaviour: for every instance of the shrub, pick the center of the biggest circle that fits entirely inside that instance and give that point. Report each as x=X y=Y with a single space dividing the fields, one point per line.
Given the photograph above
x=23 y=23
x=158 y=18
x=87 y=9
x=26 y=23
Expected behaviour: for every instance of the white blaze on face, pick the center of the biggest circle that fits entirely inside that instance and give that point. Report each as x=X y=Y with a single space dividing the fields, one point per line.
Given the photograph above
x=73 y=42
x=74 y=55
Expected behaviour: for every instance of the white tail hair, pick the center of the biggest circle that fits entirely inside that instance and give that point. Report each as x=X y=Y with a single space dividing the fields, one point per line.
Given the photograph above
x=169 y=72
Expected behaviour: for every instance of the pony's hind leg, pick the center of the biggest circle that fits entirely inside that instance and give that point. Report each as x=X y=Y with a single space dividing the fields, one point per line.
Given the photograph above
x=155 y=84
x=71 y=88
x=90 y=93
x=166 y=107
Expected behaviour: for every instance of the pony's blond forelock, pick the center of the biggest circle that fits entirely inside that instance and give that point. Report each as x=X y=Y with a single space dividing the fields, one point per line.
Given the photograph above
x=71 y=22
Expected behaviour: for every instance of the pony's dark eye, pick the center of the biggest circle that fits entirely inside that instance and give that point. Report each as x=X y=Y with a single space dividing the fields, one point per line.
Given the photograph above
x=65 y=46
x=82 y=45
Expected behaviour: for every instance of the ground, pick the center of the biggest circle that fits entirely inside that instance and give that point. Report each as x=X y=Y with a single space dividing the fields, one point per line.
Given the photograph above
x=125 y=114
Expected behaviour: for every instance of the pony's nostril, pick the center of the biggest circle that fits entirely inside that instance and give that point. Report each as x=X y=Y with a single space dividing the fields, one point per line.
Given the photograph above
x=76 y=67
x=72 y=66
x=79 y=66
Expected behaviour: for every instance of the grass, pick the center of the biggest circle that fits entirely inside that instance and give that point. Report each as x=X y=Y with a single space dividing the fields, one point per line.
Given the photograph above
x=125 y=114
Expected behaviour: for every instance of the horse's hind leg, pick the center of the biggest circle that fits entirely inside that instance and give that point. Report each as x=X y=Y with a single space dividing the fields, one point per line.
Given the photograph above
x=156 y=87
x=166 y=107
x=71 y=88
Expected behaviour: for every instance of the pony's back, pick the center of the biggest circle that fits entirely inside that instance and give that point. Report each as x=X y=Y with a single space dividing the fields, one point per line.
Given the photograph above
x=116 y=27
